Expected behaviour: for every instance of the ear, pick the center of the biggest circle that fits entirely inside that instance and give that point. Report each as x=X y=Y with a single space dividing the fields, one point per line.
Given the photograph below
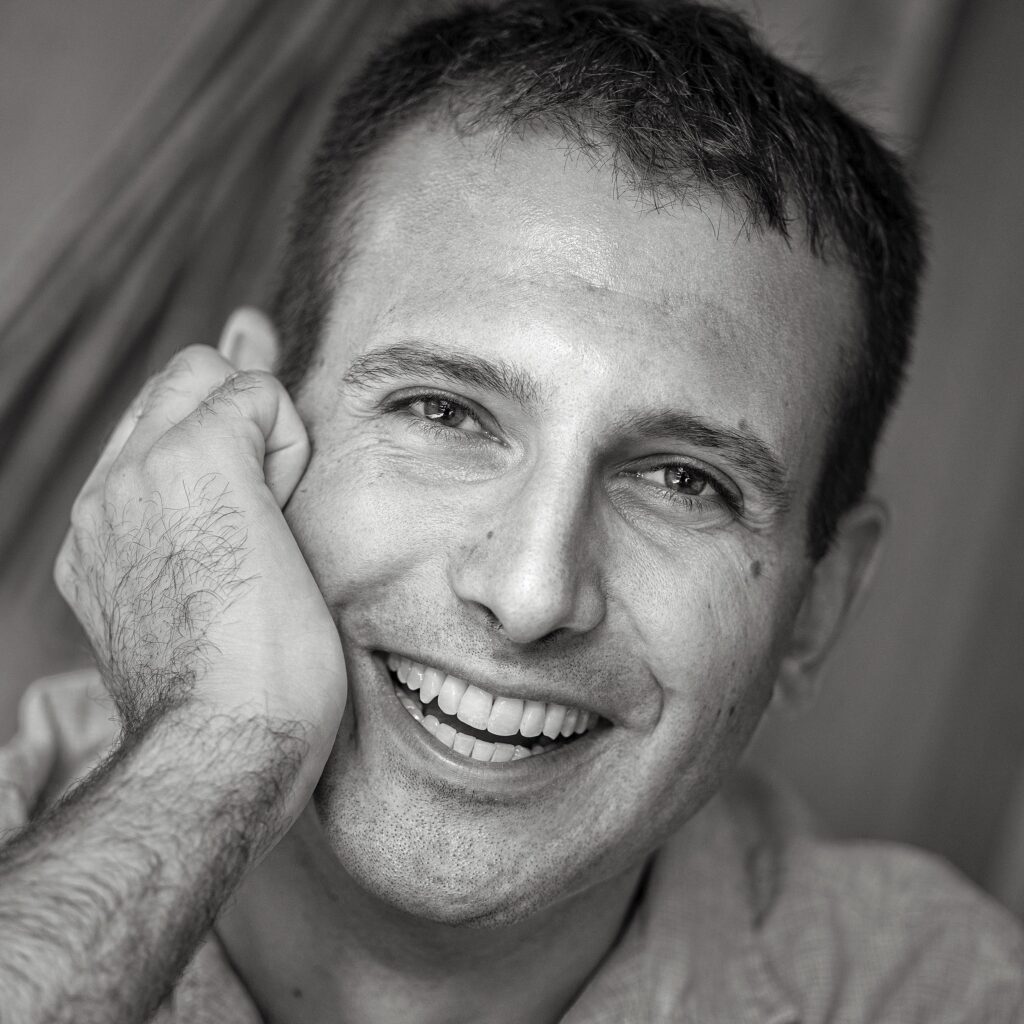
x=838 y=584
x=249 y=340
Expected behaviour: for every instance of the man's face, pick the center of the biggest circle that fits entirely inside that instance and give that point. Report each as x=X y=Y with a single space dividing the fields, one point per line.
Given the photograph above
x=563 y=451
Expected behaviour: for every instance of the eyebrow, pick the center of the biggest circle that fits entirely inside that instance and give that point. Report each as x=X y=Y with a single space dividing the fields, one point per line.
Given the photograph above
x=741 y=447
x=423 y=359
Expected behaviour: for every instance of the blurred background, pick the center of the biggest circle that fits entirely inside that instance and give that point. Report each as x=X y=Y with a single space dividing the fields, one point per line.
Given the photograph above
x=148 y=150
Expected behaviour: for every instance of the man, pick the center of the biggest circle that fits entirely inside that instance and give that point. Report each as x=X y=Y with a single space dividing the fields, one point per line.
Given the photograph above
x=589 y=322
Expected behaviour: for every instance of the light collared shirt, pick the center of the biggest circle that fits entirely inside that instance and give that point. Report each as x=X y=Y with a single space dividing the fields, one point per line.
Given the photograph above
x=744 y=917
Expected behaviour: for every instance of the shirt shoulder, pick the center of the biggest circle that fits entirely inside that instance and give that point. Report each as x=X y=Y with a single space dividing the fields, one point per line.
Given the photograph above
x=66 y=725
x=878 y=931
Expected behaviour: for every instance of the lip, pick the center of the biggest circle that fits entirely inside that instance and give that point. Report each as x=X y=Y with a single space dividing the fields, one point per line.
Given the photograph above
x=512 y=779
x=524 y=690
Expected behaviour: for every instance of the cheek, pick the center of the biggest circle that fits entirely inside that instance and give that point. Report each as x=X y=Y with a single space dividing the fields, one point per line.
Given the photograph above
x=361 y=525
x=712 y=632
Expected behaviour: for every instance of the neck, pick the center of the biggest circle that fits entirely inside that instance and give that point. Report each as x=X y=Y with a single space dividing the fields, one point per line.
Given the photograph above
x=311 y=945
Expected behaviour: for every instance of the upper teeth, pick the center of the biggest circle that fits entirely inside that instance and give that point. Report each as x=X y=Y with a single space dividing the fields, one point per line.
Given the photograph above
x=501 y=716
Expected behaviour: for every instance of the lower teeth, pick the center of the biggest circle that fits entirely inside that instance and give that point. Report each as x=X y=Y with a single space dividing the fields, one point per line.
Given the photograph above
x=462 y=743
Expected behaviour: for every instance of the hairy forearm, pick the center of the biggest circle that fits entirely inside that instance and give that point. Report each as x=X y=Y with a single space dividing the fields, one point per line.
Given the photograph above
x=104 y=899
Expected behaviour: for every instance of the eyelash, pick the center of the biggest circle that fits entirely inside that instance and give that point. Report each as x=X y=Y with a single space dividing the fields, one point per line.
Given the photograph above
x=432 y=427
x=690 y=502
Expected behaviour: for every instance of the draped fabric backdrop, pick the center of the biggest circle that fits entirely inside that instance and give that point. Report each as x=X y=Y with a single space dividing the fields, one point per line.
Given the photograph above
x=149 y=149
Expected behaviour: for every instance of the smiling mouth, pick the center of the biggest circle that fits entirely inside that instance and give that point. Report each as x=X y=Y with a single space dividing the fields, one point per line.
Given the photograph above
x=479 y=725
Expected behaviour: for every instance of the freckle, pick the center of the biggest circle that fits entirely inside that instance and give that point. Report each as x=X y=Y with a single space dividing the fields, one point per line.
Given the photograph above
x=755 y=569
x=732 y=710
x=297 y=993
x=490 y=534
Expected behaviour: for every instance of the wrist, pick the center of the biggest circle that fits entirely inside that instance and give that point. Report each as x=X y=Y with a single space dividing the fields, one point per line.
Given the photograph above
x=250 y=772
x=133 y=866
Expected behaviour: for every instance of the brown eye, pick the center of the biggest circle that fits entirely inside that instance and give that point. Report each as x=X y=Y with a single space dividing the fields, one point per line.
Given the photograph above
x=683 y=480
x=440 y=410
x=692 y=490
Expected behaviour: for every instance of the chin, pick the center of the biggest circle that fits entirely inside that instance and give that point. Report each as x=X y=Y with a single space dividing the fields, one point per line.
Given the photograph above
x=436 y=886
x=435 y=873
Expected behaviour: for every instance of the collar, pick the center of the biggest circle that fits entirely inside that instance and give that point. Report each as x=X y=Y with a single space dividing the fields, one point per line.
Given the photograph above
x=692 y=952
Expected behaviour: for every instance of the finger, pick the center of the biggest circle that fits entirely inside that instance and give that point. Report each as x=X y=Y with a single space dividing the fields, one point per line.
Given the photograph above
x=118 y=437
x=166 y=398
x=111 y=450
x=254 y=407
x=67 y=575
x=172 y=395
x=64 y=575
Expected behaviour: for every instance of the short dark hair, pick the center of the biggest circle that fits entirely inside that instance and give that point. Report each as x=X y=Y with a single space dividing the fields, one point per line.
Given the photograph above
x=686 y=103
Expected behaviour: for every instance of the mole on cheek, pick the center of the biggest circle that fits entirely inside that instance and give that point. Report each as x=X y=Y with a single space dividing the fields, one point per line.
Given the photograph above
x=755 y=569
x=490 y=534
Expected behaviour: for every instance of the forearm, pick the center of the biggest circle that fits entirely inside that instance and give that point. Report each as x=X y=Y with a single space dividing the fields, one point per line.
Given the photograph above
x=103 y=901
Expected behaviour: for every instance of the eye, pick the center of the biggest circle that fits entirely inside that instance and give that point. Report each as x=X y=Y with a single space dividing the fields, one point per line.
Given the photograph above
x=691 y=486
x=681 y=479
x=442 y=410
x=440 y=413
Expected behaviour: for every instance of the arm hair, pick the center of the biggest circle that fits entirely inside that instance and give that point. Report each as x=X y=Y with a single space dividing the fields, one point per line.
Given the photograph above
x=104 y=899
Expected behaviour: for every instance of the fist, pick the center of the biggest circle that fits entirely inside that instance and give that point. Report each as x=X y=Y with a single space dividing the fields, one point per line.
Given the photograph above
x=181 y=568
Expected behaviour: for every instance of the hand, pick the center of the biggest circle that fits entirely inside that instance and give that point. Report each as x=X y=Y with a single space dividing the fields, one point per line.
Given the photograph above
x=229 y=677
x=182 y=570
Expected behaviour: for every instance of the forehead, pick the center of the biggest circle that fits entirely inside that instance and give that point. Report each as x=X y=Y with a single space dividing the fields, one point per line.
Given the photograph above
x=527 y=251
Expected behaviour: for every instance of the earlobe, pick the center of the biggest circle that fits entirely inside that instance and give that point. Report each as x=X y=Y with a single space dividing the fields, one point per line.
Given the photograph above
x=838 y=584
x=249 y=340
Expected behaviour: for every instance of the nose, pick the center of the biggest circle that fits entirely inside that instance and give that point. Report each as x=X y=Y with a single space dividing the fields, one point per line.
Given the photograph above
x=532 y=559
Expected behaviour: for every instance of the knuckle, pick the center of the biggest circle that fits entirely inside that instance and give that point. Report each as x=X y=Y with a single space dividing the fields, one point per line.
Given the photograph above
x=160 y=461
x=195 y=351
x=246 y=380
x=225 y=396
x=64 y=572
x=142 y=398
x=121 y=480
x=187 y=358
x=62 y=580
x=192 y=371
x=60 y=568
x=200 y=361
x=81 y=507
x=153 y=392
